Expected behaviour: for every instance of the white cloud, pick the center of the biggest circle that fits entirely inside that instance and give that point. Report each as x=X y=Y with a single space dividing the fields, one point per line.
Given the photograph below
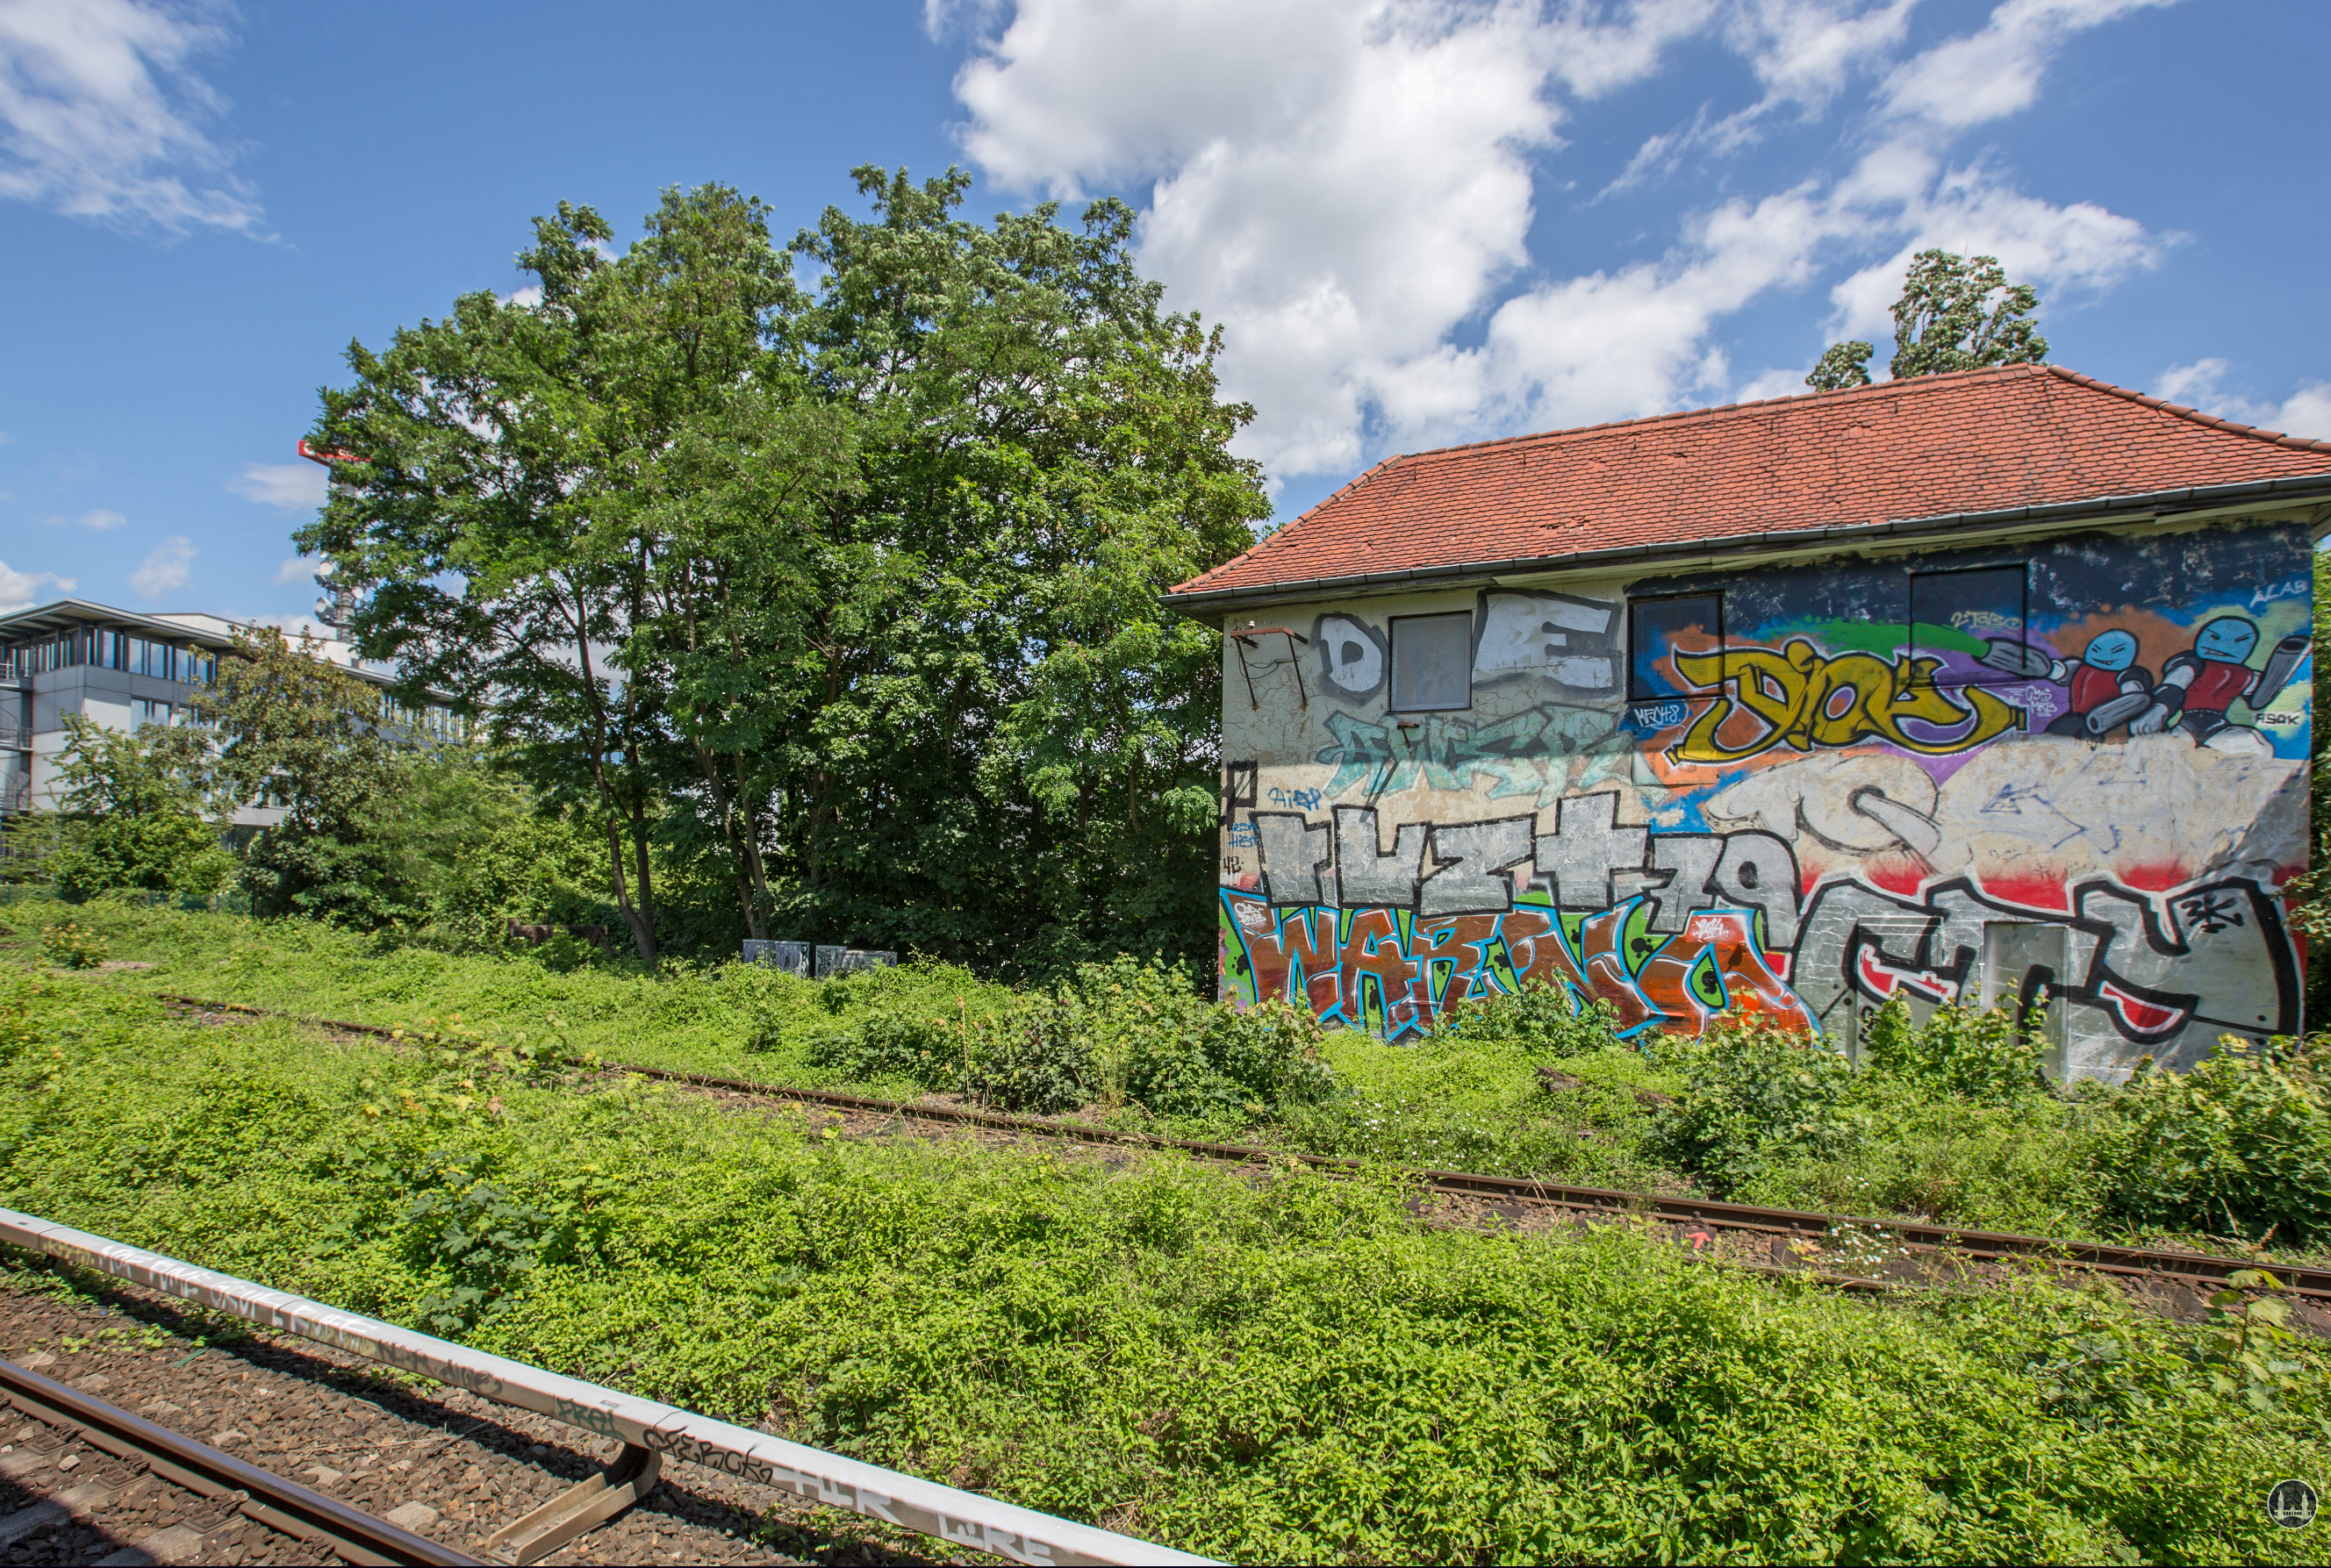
x=1995 y=73
x=528 y=297
x=97 y=520
x=20 y=589
x=1340 y=184
x=103 y=116
x=164 y=569
x=291 y=487
x=1802 y=52
x=1974 y=211
x=298 y=569
x=2307 y=412
x=1345 y=187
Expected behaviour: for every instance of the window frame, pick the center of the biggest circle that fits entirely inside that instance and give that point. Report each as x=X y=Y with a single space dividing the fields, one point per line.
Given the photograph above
x=1391 y=661
x=1722 y=643
x=1983 y=676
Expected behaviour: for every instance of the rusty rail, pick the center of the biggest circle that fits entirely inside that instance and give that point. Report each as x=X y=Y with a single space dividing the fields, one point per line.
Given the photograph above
x=352 y=1534
x=1975 y=1246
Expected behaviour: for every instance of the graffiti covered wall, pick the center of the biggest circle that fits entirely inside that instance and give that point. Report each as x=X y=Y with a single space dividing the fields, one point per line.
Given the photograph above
x=1796 y=791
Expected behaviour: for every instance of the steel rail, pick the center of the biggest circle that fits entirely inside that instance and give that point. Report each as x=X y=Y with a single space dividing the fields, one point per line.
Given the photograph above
x=1978 y=1246
x=961 y=1519
x=281 y=1505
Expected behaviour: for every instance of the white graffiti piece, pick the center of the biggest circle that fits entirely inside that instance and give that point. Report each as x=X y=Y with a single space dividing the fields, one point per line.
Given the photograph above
x=1861 y=803
x=2163 y=972
x=1352 y=654
x=1590 y=862
x=1570 y=642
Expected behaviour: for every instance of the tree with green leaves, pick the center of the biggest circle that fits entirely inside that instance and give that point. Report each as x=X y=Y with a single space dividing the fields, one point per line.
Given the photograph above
x=1961 y=313
x=854 y=594
x=134 y=805
x=489 y=518
x=1009 y=756
x=1841 y=365
x=292 y=728
x=1956 y=313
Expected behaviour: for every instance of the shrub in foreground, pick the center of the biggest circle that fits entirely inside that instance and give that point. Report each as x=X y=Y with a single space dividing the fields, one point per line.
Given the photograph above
x=2238 y=1146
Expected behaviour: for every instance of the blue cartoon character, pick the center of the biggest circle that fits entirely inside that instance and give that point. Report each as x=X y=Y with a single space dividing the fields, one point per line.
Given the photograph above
x=2108 y=686
x=2199 y=684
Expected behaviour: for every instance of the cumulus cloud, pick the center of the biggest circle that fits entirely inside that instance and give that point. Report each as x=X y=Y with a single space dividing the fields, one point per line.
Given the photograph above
x=291 y=487
x=1347 y=187
x=21 y=590
x=2305 y=412
x=164 y=569
x=97 y=520
x=103 y=115
x=298 y=569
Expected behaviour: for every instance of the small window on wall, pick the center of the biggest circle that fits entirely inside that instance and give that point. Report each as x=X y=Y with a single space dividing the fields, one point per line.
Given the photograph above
x=1970 y=620
x=1431 y=661
x=1659 y=628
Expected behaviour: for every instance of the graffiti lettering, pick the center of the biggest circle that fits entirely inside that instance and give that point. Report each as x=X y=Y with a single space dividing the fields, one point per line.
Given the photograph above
x=2291 y=589
x=2167 y=973
x=1572 y=643
x=1678 y=929
x=1391 y=973
x=1301 y=799
x=1448 y=754
x=1803 y=698
x=1351 y=656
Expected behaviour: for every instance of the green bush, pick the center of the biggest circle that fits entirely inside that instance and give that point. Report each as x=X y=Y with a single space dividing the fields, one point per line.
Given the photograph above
x=2239 y=1146
x=1754 y=1098
x=1989 y=1055
x=1541 y=1022
x=72 y=945
x=1145 y=1038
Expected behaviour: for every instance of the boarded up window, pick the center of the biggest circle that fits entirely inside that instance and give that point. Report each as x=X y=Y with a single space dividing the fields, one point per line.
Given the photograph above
x=1431 y=661
x=1658 y=628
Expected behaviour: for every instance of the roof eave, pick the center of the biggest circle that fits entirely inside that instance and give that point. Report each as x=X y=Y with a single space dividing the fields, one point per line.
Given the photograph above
x=1206 y=604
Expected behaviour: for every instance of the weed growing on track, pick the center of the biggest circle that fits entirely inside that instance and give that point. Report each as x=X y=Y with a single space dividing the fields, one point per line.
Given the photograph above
x=1282 y=1367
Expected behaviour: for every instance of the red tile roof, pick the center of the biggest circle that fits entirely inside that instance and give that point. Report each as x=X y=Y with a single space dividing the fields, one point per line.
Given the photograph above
x=1935 y=446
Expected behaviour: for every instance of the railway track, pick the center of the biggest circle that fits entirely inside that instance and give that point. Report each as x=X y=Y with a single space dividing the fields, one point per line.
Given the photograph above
x=1855 y=1251
x=159 y=1462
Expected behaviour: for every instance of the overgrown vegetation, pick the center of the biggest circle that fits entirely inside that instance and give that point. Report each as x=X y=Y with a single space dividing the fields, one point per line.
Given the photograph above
x=1258 y=1365
x=1951 y=1121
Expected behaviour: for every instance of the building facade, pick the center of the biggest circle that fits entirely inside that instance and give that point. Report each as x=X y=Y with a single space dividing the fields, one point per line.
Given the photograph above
x=122 y=669
x=1954 y=688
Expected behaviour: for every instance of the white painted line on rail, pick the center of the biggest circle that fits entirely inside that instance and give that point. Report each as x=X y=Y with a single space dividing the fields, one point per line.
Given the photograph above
x=960 y=1518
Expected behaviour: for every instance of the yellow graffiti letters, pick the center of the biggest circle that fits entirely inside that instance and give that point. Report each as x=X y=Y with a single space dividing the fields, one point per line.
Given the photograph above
x=1804 y=698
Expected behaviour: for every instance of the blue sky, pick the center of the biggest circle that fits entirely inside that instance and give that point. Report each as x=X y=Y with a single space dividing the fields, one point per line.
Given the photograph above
x=1419 y=221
